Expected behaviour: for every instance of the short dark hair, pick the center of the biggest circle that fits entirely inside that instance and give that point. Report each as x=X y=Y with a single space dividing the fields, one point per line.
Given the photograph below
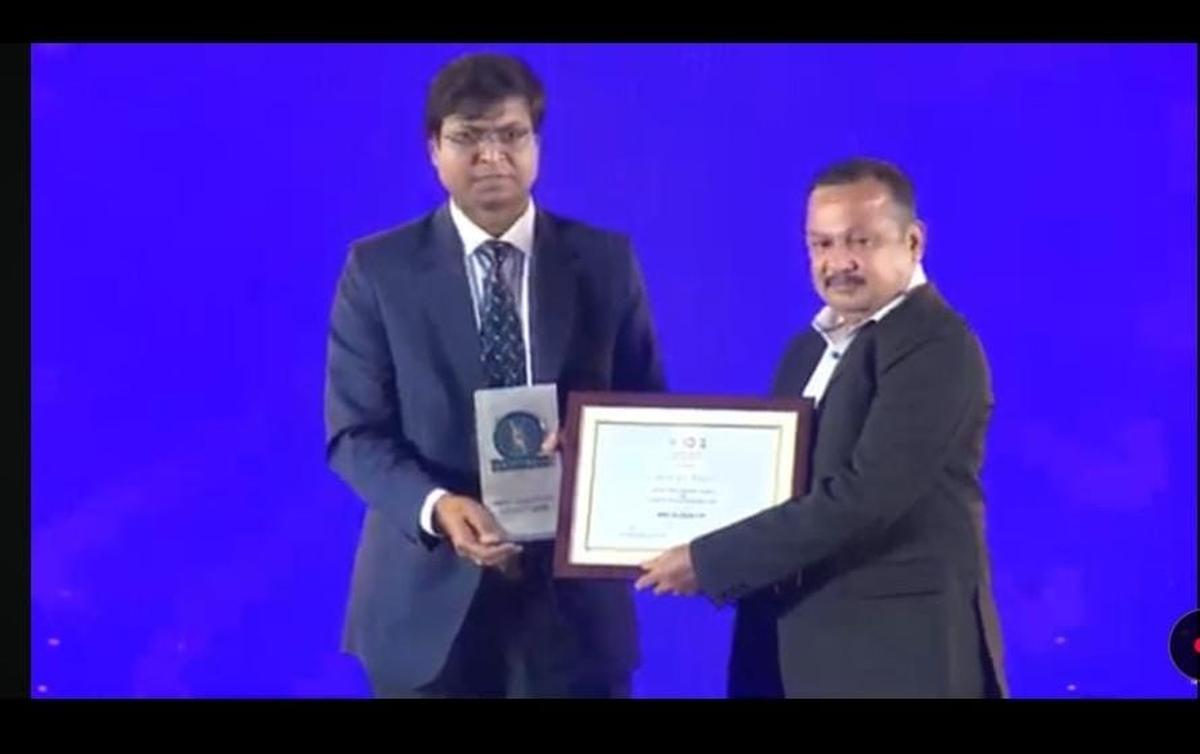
x=864 y=168
x=471 y=84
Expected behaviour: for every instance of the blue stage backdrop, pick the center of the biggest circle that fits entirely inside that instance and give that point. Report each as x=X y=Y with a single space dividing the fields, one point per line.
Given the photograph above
x=192 y=206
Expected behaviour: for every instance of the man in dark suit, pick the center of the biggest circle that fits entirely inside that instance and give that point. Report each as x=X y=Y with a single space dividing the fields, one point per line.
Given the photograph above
x=875 y=582
x=486 y=291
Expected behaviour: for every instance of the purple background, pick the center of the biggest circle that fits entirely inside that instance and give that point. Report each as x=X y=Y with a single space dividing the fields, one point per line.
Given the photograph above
x=192 y=205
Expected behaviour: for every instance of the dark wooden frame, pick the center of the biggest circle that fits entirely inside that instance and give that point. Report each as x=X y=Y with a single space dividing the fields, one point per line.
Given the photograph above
x=569 y=434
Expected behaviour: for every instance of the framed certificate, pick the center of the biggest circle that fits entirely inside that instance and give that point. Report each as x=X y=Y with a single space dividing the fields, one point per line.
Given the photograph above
x=644 y=472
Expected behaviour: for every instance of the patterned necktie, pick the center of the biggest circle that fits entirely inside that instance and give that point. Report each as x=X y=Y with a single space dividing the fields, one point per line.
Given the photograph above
x=503 y=348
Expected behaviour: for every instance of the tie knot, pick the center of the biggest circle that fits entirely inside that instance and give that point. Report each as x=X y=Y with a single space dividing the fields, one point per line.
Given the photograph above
x=495 y=253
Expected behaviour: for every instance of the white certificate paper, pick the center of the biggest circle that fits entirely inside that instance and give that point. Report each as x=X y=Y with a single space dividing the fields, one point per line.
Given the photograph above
x=650 y=478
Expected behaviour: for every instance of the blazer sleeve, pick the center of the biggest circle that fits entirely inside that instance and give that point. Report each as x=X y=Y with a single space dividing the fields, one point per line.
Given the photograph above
x=365 y=443
x=637 y=363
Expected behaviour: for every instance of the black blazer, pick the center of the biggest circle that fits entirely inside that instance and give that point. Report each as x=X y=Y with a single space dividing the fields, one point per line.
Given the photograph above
x=403 y=364
x=876 y=581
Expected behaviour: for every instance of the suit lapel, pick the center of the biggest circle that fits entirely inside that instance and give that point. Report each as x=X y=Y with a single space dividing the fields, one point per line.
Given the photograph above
x=443 y=285
x=810 y=355
x=553 y=299
x=850 y=354
x=898 y=321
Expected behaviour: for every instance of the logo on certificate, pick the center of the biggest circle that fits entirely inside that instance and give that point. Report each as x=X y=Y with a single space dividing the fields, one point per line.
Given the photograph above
x=518 y=439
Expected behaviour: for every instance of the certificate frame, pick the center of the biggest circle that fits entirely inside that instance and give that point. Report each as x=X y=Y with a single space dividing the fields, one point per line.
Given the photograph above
x=572 y=557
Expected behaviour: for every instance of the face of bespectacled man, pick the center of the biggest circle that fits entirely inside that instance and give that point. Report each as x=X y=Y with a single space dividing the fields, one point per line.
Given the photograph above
x=488 y=163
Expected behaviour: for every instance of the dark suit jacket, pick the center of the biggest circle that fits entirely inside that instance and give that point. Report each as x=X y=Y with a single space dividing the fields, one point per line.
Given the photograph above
x=876 y=581
x=403 y=365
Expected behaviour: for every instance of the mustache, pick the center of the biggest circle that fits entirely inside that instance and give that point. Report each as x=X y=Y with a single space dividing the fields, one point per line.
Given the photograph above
x=843 y=278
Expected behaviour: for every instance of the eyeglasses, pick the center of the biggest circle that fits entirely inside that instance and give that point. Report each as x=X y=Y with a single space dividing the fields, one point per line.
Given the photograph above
x=506 y=138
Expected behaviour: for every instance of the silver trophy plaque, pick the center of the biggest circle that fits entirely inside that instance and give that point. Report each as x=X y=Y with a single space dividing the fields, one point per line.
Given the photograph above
x=519 y=483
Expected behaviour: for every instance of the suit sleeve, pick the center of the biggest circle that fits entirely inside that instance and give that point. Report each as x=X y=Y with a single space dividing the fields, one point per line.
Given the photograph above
x=637 y=363
x=364 y=438
x=926 y=401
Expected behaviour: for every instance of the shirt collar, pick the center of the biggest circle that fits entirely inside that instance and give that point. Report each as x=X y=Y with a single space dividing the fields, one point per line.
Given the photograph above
x=827 y=320
x=520 y=234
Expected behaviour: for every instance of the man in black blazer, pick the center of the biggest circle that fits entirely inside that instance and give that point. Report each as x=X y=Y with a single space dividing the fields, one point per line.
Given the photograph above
x=486 y=291
x=875 y=582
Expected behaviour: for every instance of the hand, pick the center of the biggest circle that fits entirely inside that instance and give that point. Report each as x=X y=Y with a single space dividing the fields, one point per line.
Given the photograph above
x=553 y=443
x=474 y=533
x=670 y=573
